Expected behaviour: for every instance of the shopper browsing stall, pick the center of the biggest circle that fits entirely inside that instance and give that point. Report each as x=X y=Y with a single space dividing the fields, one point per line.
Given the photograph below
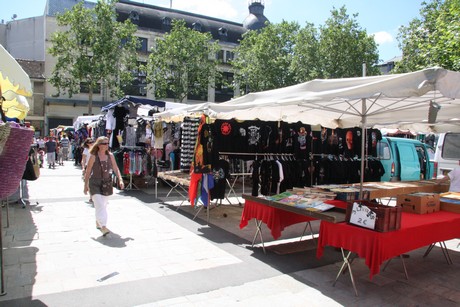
x=454 y=177
x=98 y=179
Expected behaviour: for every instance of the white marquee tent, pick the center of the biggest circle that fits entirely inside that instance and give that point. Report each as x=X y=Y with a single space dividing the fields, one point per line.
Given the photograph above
x=398 y=100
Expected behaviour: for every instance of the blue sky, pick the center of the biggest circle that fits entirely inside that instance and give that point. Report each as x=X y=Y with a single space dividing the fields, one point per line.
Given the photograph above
x=382 y=18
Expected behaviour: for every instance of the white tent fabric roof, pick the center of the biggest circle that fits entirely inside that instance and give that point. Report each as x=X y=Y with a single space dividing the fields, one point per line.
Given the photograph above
x=398 y=100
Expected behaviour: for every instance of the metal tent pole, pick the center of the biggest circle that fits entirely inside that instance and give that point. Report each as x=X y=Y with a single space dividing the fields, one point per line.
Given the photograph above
x=363 y=138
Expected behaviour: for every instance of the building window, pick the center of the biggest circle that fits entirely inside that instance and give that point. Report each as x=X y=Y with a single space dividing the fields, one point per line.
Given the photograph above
x=134 y=17
x=223 y=32
x=139 y=85
x=84 y=88
x=224 y=89
x=220 y=56
x=201 y=95
x=143 y=44
x=197 y=26
x=229 y=56
x=166 y=23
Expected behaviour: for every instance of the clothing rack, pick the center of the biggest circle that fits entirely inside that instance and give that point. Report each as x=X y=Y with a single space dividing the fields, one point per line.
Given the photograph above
x=257 y=154
x=356 y=158
x=131 y=184
x=243 y=174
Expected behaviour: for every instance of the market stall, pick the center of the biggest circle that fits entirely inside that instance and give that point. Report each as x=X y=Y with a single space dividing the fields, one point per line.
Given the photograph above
x=417 y=230
x=15 y=140
x=426 y=99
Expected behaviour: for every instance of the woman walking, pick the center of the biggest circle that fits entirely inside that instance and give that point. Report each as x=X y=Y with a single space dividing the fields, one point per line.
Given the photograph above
x=84 y=160
x=98 y=179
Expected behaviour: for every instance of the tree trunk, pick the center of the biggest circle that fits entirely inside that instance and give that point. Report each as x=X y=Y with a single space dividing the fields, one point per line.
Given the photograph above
x=90 y=101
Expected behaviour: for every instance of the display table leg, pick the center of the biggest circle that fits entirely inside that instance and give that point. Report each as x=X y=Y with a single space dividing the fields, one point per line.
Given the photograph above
x=346 y=265
x=403 y=263
x=258 y=232
x=308 y=225
x=444 y=250
x=232 y=189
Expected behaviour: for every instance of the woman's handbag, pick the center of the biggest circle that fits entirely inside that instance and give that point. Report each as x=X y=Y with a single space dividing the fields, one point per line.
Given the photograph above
x=32 y=171
x=106 y=186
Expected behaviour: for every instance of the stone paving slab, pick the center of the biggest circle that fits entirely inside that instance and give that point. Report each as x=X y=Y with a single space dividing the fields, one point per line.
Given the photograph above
x=157 y=256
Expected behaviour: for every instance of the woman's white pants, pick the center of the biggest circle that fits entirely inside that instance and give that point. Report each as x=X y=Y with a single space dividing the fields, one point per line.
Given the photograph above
x=100 y=204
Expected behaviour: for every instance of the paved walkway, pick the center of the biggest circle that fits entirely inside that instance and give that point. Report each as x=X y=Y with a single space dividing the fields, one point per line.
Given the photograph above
x=157 y=256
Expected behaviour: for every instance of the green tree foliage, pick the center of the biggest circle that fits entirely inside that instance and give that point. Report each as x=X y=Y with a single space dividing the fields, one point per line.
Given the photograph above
x=183 y=62
x=433 y=39
x=91 y=47
x=264 y=57
x=344 y=47
x=306 y=51
x=285 y=54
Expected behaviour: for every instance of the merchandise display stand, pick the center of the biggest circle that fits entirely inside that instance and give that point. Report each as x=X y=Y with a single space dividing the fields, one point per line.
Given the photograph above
x=262 y=243
x=178 y=182
x=418 y=230
x=131 y=185
x=346 y=265
x=231 y=184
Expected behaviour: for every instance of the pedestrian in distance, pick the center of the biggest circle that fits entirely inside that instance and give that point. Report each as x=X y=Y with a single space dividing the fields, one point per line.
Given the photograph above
x=101 y=166
x=85 y=158
x=50 y=147
x=65 y=144
x=59 y=154
x=454 y=178
x=85 y=155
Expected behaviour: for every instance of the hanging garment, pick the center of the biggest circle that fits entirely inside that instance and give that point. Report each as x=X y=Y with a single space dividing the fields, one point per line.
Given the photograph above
x=220 y=171
x=206 y=186
x=126 y=163
x=194 y=189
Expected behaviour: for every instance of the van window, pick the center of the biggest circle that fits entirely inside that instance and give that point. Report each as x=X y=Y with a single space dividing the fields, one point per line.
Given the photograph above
x=451 y=146
x=430 y=151
x=383 y=151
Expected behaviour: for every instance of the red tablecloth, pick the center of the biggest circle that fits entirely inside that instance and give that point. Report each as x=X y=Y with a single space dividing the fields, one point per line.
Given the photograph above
x=276 y=219
x=417 y=230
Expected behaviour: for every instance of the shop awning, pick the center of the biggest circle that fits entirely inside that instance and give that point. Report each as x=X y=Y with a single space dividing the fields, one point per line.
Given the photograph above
x=134 y=100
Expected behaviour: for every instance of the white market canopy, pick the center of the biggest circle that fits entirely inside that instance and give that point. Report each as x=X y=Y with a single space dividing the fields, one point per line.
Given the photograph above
x=397 y=101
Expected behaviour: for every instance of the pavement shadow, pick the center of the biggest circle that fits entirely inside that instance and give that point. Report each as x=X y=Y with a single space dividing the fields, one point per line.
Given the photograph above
x=19 y=231
x=112 y=240
x=223 y=228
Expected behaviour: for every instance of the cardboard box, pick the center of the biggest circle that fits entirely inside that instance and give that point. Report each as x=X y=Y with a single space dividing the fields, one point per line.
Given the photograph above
x=388 y=218
x=450 y=201
x=420 y=203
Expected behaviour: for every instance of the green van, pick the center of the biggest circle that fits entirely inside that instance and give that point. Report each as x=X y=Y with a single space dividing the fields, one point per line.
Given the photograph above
x=405 y=159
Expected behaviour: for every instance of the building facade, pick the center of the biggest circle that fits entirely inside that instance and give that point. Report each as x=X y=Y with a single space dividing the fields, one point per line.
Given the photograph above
x=29 y=39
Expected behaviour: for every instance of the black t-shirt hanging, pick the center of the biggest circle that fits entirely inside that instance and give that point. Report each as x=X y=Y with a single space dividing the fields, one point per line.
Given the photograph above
x=227 y=136
x=254 y=132
x=206 y=139
x=268 y=134
x=374 y=135
x=303 y=142
x=220 y=172
x=289 y=141
x=332 y=142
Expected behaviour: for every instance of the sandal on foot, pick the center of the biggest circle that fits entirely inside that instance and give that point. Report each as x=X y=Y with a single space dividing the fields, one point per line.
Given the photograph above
x=105 y=231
